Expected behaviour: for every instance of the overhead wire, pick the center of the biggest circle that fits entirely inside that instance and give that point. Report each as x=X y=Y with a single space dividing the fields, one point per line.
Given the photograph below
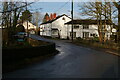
x=62 y=6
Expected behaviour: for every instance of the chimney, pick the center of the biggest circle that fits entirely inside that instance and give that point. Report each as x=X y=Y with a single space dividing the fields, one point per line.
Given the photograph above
x=51 y=16
x=54 y=15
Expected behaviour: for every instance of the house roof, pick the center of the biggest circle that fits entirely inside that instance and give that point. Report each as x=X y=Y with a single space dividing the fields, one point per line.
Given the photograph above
x=55 y=19
x=87 y=21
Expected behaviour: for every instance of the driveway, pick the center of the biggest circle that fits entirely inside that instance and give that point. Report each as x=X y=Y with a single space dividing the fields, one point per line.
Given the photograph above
x=72 y=62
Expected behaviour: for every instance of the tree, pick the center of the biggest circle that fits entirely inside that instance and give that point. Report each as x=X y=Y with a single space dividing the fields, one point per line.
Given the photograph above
x=46 y=17
x=26 y=16
x=36 y=20
x=117 y=5
x=99 y=11
x=20 y=28
x=10 y=15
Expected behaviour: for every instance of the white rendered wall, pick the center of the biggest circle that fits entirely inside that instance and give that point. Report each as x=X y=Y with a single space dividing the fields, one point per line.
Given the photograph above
x=93 y=29
x=59 y=24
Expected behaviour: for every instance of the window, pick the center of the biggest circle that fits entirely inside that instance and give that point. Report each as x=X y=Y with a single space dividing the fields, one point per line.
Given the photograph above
x=85 y=34
x=93 y=35
x=85 y=26
x=76 y=27
x=63 y=18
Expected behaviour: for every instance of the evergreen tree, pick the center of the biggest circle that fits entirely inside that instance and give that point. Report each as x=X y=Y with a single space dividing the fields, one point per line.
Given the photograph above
x=26 y=16
x=46 y=17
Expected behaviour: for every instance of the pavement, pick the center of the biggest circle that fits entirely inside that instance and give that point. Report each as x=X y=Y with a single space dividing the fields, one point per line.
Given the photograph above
x=72 y=62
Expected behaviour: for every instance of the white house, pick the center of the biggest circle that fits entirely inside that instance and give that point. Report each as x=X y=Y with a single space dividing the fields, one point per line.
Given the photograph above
x=88 y=28
x=61 y=27
x=55 y=27
x=31 y=27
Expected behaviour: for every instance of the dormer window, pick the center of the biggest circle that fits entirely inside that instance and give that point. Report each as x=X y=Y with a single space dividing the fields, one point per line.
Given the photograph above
x=63 y=18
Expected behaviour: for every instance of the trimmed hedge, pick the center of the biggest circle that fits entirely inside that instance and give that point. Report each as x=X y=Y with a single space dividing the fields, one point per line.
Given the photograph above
x=10 y=56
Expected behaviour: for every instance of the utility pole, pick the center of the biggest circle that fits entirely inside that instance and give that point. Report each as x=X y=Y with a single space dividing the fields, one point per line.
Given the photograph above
x=27 y=20
x=72 y=21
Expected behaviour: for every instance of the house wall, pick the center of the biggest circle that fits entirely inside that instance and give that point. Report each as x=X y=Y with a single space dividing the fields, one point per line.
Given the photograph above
x=93 y=29
x=45 y=29
x=30 y=25
x=59 y=23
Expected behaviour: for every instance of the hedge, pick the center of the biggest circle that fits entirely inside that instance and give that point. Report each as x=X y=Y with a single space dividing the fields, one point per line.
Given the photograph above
x=10 y=56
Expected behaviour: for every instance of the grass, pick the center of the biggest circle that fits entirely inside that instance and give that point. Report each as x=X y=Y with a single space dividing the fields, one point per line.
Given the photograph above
x=96 y=44
x=109 y=47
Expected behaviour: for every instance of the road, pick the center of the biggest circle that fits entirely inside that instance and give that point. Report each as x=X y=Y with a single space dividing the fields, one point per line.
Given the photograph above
x=72 y=62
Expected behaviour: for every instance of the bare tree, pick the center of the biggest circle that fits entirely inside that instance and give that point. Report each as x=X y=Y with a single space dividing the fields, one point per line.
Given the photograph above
x=101 y=11
x=117 y=5
x=10 y=15
x=36 y=19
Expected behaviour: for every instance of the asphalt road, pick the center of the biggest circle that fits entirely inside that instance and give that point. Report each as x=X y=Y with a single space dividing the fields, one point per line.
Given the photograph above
x=71 y=62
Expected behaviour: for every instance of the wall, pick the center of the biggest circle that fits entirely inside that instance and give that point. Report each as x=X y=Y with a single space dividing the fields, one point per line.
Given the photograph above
x=93 y=29
x=45 y=29
x=59 y=23
x=30 y=26
x=15 y=55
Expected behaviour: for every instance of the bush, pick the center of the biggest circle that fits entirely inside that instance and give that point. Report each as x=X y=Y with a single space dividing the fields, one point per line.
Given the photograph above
x=79 y=38
x=96 y=39
x=20 y=28
x=13 y=55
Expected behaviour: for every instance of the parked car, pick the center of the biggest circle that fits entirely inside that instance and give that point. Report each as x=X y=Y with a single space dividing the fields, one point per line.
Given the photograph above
x=21 y=35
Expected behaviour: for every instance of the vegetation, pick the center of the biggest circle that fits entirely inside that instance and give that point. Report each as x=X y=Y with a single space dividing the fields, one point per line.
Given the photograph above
x=99 y=11
x=11 y=13
x=104 y=11
x=20 y=28
x=46 y=17
x=36 y=18
x=26 y=16
x=94 y=42
x=25 y=53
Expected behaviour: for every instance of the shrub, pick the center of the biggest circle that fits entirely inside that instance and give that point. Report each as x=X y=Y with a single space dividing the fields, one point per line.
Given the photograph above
x=20 y=28
x=96 y=39
x=79 y=38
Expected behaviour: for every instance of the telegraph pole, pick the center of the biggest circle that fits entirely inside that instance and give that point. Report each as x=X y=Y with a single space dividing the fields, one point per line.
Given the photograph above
x=27 y=20
x=72 y=21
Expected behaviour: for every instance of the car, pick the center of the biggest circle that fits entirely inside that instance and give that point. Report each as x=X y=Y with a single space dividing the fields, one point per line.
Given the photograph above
x=21 y=35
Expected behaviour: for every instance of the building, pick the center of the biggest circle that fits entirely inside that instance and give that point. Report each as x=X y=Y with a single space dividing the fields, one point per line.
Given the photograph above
x=55 y=27
x=89 y=28
x=83 y=28
x=31 y=27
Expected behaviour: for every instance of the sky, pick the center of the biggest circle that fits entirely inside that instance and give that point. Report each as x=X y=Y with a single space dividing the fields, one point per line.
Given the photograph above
x=59 y=8
x=55 y=7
